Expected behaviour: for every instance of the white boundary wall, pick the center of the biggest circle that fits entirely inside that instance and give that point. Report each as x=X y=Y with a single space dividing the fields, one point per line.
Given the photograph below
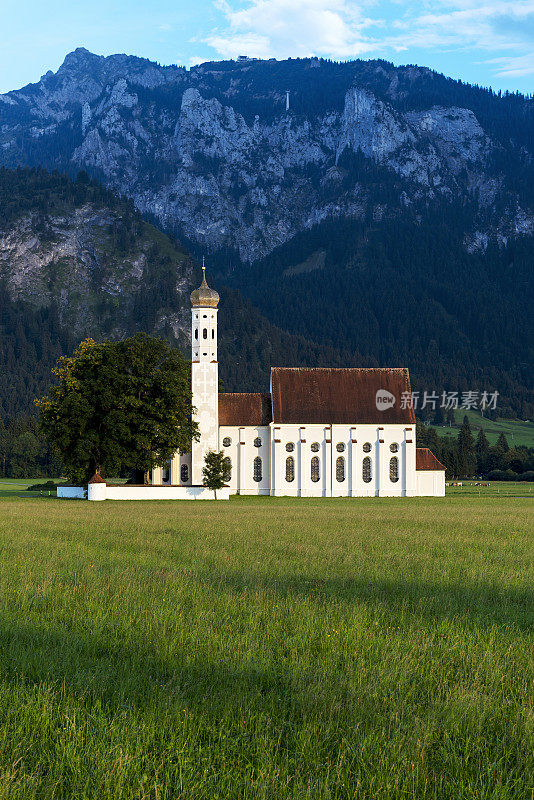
x=100 y=491
x=72 y=492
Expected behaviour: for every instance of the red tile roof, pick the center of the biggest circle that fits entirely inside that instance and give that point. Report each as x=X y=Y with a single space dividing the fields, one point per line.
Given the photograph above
x=97 y=478
x=239 y=408
x=338 y=396
x=426 y=460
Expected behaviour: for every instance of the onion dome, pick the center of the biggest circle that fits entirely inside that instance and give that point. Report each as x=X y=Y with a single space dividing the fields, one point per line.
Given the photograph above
x=204 y=296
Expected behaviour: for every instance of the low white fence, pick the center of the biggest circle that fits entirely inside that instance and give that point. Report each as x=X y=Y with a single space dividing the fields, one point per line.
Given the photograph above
x=72 y=492
x=101 y=491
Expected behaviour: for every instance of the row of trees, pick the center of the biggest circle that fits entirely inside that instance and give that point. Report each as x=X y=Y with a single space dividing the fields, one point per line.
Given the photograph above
x=25 y=452
x=126 y=405
x=467 y=456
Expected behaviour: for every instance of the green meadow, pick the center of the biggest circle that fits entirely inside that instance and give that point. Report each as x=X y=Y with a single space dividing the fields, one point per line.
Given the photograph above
x=267 y=648
x=518 y=432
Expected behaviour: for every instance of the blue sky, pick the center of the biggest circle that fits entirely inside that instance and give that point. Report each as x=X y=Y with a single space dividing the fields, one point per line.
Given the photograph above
x=489 y=42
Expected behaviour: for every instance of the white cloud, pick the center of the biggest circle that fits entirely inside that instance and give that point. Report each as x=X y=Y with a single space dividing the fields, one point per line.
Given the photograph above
x=351 y=28
x=283 y=28
x=514 y=66
x=466 y=23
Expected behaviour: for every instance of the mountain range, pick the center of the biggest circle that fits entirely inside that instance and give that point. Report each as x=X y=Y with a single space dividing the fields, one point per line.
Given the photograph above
x=387 y=214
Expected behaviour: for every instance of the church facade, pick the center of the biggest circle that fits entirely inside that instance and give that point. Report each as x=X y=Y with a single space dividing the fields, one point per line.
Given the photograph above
x=319 y=432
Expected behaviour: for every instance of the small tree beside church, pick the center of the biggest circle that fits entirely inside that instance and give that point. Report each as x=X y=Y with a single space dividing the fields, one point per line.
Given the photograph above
x=216 y=471
x=119 y=405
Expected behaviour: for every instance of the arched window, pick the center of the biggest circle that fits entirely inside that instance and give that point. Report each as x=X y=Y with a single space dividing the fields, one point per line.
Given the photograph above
x=366 y=470
x=227 y=441
x=290 y=469
x=290 y=447
x=394 y=447
x=257 y=469
x=205 y=333
x=315 y=469
x=184 y=473
x=257 y=442
x=340 y=469
x=196 y=333
x=166 y=473
x=367 y=447
x=394 y=469
x=213 y=333
x=228 y=465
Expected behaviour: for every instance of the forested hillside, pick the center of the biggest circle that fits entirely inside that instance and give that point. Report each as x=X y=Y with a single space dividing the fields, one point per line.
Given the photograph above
x=408 y=292
x=77 y=261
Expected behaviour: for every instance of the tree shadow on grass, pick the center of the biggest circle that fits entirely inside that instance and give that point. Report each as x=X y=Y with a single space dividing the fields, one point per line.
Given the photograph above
x=118 y=675
x=482 y=604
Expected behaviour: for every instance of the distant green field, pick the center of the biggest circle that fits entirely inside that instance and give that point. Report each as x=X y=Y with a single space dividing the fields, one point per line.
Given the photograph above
x=517 y=432
x=17 y=487
x=268 y=648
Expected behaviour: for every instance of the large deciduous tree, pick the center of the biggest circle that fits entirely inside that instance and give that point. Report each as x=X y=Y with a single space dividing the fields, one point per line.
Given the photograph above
x=119 y=405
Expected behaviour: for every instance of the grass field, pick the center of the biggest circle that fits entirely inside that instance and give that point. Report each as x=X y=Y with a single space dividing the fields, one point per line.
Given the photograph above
x=517 y=432
x=267 y=648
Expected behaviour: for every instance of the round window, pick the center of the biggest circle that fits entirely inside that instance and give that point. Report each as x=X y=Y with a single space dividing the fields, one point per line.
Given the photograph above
x=257 y=442
x=315 y=447
x=367 y=447
x=340 y=447
x=227 y=441
x=290 y=447
x=394 y=447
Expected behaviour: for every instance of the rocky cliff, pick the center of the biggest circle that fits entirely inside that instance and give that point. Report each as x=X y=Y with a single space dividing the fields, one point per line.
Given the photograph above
x=213 y=154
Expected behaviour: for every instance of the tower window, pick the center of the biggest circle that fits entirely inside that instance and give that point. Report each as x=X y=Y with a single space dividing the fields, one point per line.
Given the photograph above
x=290 y=469
x=184 y=473
x=394 y=469
x=340 y=469
x=366 y=470
x=196 y=333
x=257 y=469
x=205 y=333
x=367 y=447
x=315 y=447
x=315 y=469
x=213 y=333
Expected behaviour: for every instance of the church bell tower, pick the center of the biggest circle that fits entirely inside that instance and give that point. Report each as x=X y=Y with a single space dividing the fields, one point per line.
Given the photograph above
x=204 y=374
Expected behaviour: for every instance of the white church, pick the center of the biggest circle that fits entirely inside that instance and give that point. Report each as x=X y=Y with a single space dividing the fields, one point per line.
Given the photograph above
x=318 y=433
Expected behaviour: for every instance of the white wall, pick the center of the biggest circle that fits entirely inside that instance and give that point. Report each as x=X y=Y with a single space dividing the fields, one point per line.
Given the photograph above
x=105 y=492
x=352 y=438
x=72 y=492
x=430 y=483
x=242 y=453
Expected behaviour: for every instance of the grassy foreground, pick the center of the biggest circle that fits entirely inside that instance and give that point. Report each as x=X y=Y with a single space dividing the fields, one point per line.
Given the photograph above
x=267 y=648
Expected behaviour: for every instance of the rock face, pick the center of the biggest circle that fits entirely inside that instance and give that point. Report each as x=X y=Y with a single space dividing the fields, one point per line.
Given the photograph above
x=70 y=261
x=212 y=152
